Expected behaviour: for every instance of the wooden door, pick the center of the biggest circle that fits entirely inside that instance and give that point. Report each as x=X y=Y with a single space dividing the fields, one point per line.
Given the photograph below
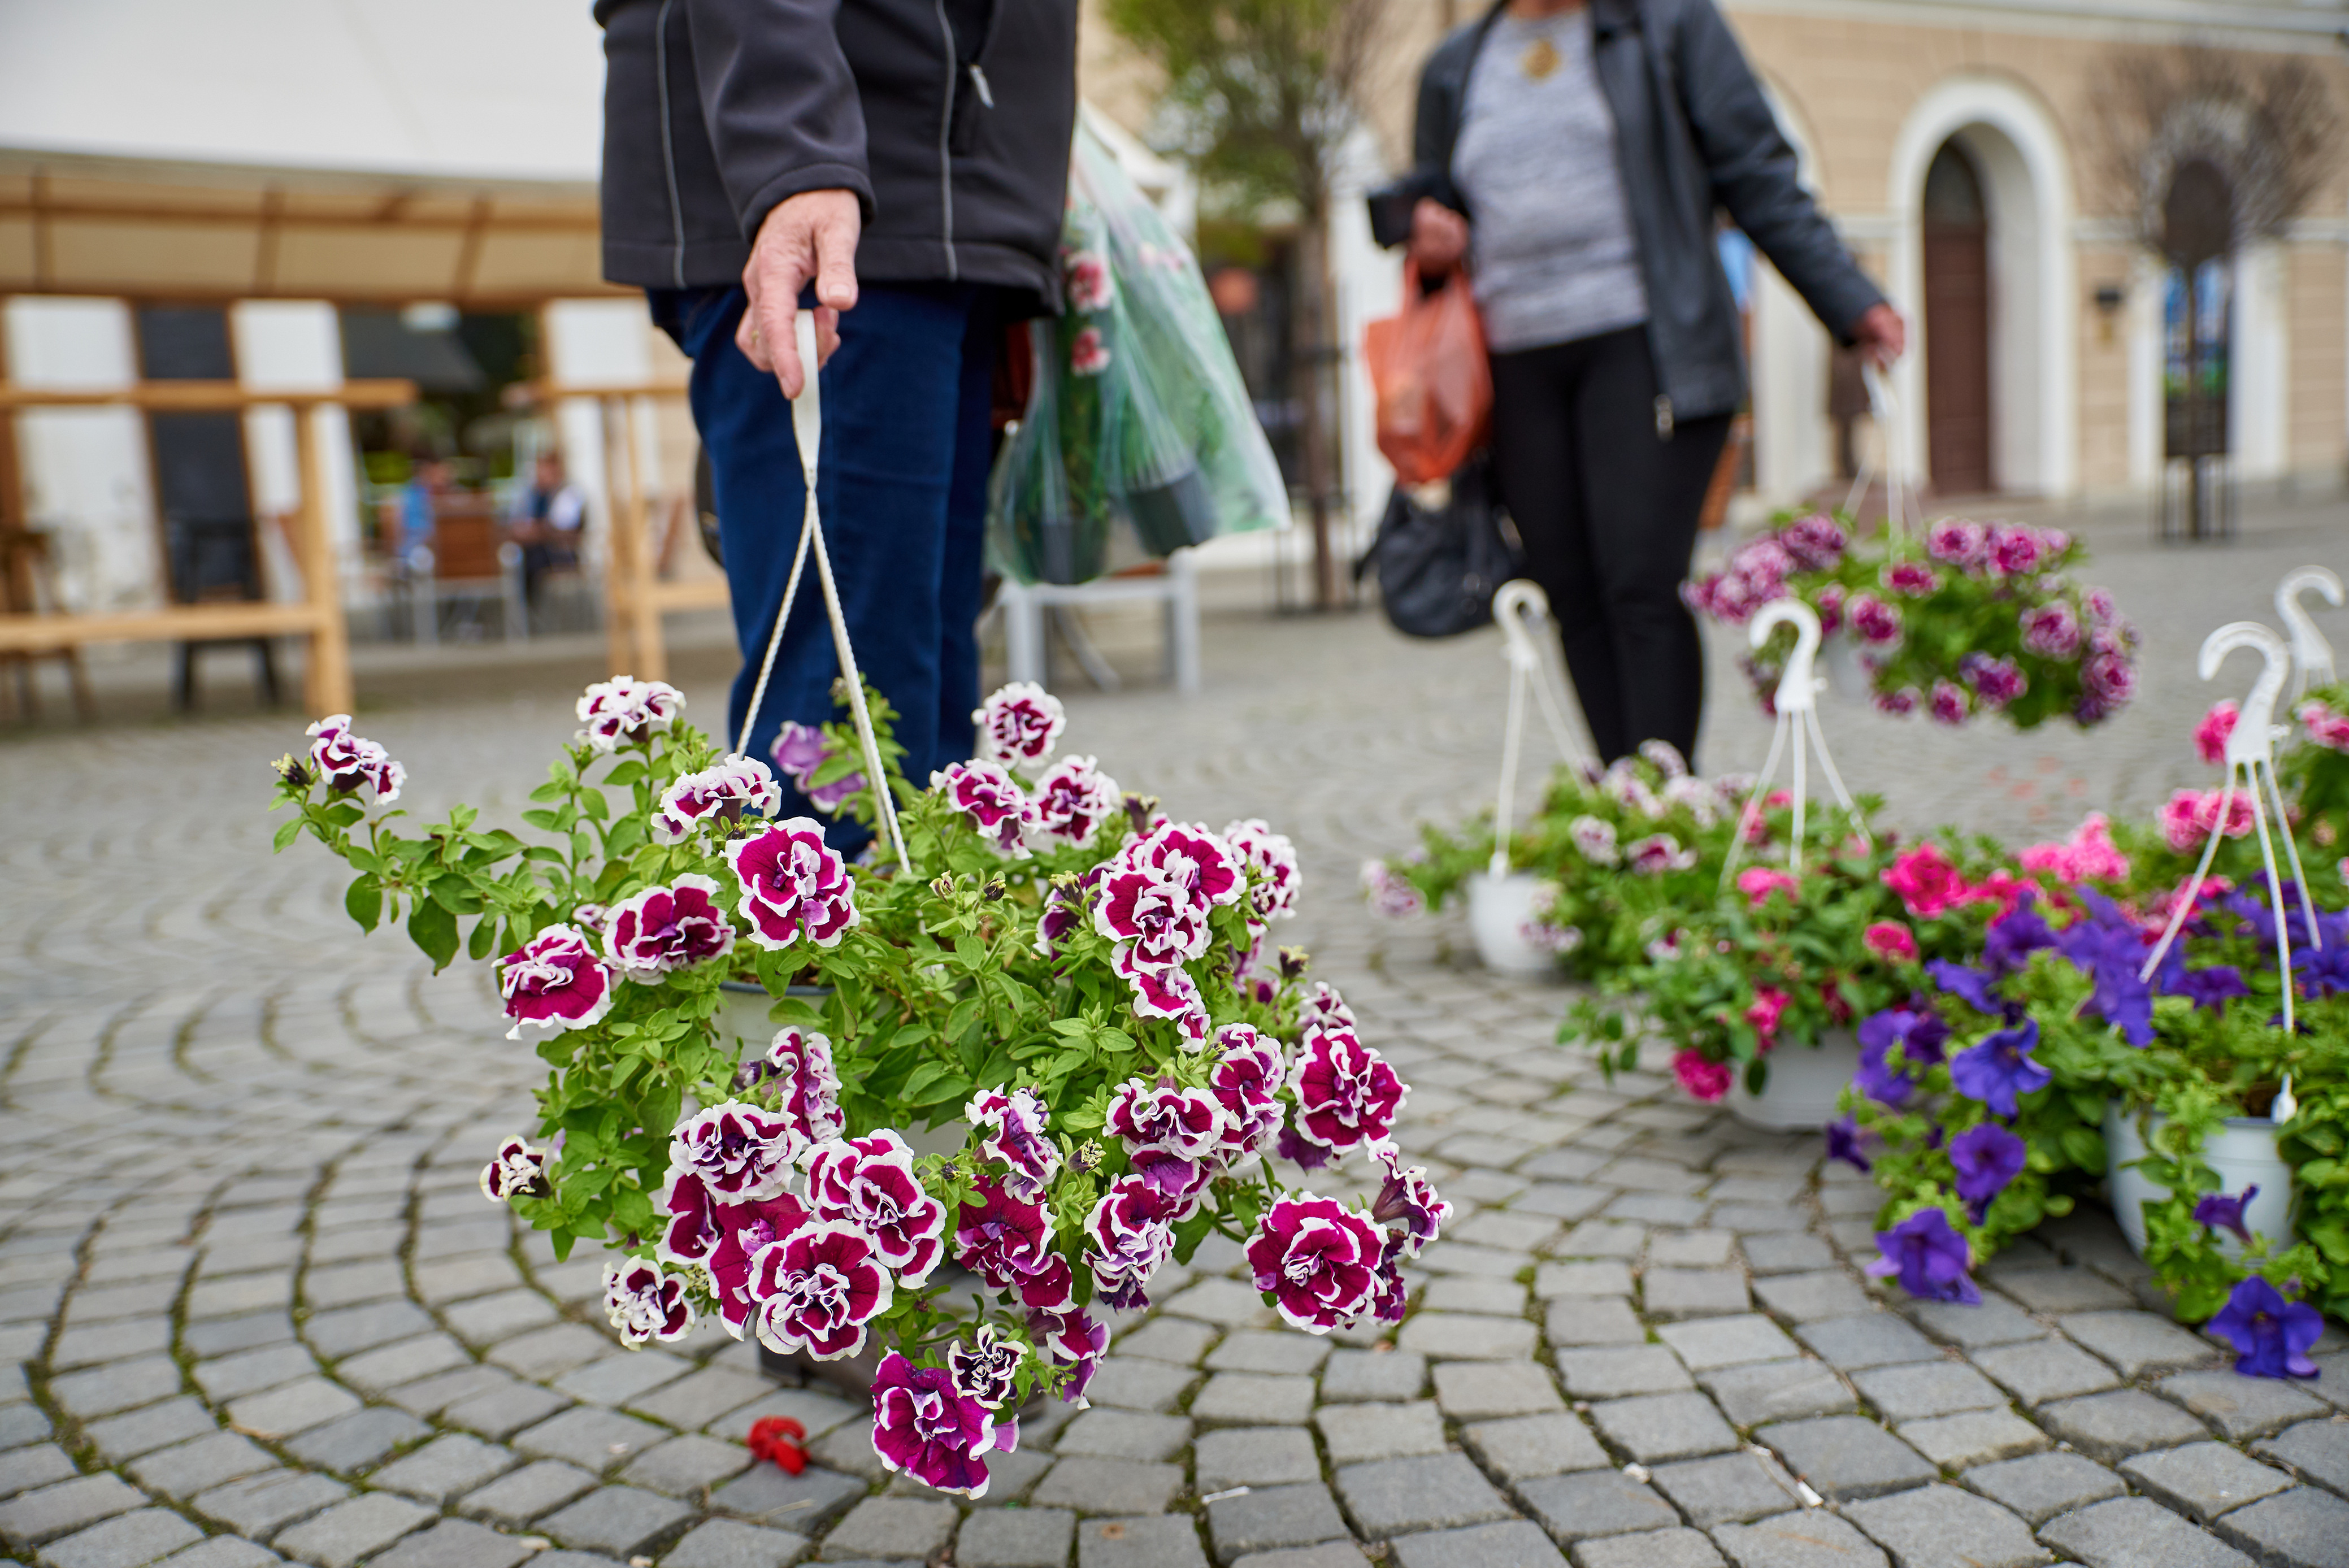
x=1957 y=326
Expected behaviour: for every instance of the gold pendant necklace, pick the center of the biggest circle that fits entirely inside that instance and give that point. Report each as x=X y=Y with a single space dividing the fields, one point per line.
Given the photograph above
x=1539 y=59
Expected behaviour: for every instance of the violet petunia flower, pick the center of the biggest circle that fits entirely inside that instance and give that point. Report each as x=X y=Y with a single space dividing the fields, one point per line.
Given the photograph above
x=2000 y=1071
x=1971 y=986
x=1929 y=1257
x=2214 y=987
x=2218 y=1211
x=2014 y=937
x=1987 y=1157
x=1844 y=1143
x=2271 y=1337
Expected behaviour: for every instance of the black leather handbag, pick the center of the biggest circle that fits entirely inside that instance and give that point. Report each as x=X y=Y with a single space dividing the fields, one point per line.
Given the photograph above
x=1438 y=568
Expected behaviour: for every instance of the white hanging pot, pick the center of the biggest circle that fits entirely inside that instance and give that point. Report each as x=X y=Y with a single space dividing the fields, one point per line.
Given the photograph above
x=1500 y=907
x=1803 y=1084
x=2243 y=1152
x=1846 y=676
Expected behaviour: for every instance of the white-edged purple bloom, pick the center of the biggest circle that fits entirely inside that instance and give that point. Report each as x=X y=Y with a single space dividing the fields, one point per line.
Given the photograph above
x=518 y=1169
x=742 y=1152
x=644 y=1304
x=817 y=1288
x=626 y=708
x=1186 y=1122
x=1997 y=682
x=726 y=791
x=986 y=1368
x=1319 y=1260
x=1019 y=725
x=1965 y=545
x=991 y=801
x=1872 y=620
x=793 y=885
x=554 y=982
x=869 y=1182
x=1910 y=579
x=1323 y=1008
x=1949 y=703
x=927 y=1429
x=1594 y=840
x=798 y=1062
x=1128 y=1236
x=1407 y=1197
x=1658 y=853
x=654 y=932
x=1347 y=1094
x=1272 y=892
x=2051 y=630
x=1072 y=799
x=345 y=762
x=1390 y=894
x=1015 y=1121
x=1246 y=1080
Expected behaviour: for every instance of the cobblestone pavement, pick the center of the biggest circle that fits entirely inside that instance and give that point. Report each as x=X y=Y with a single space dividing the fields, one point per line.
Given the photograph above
x=256 y=1308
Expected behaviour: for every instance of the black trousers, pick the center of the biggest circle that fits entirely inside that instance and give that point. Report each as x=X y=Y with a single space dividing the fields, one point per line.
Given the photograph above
x=1607 y=502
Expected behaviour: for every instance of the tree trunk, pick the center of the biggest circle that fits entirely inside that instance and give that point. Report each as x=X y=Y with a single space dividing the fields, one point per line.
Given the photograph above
x=1309 y=353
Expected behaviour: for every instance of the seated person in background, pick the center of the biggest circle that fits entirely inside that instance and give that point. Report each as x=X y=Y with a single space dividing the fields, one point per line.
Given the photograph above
x=545 y=522
x=427 y=480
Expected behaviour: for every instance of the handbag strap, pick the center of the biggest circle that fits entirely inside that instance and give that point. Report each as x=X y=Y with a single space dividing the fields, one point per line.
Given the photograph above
x=807 y=430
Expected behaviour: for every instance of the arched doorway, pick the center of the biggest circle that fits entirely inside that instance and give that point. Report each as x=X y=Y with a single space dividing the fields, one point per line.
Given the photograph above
x=1956 y=240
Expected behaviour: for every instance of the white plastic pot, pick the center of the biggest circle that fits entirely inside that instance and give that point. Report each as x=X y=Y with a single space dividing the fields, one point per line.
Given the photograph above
x=1846 y=676
x=1499 y=908
x=2243 y=1151
x=742 y=1010
x=1803 y=1084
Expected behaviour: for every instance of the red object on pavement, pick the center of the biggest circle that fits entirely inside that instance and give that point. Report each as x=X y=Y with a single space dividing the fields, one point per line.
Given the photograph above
x=777 y=1439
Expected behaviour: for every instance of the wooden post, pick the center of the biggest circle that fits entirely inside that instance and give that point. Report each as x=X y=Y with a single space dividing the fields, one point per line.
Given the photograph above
x=619 y=565
x=326 y=674
x=631 y=606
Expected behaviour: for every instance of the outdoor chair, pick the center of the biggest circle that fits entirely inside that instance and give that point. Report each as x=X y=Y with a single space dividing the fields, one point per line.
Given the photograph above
x=28 y=587
x=471 y=564
x=214 y=560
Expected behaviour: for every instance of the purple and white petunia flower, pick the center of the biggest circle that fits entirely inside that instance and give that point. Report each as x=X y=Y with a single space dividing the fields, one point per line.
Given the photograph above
x=1594 y=840
x=1319 y=1260
x=745 y=1230
x=1273 y=894
x=817 y=1288
x=1163 y=991
x=1072 y=1338
x=1185 y=853
x=1163 y=920
x=1017 y=1134
x=726 y=792
x=692 y=1226
x=661 y=930
x=1391 y=896
x=1019 y=725
x=1246 y=1079
x=1004 y=1240
x=793 y=885
x=626 y=708
x=644 y=1303
x=993 y=803
x=517 y=1170
x=869 y=1182
x=927 y=1429
x=1072 y=799
x=1965 y=545
x=1347 y=1095
x=1409 y=1197
x=2051 y=630
x=1128 y=1236
x=798 y=1062
x=1658 y=853
x=554 y=982
x=345 y=762
x=742 y=1152
x=986 y=1368
x=1322 y=1008
x=1186 y=1122
x=1872 y=620
x=800 y=751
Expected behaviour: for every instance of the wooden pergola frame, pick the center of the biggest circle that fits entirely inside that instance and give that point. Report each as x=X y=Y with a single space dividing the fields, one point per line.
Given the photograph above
x=316 y=615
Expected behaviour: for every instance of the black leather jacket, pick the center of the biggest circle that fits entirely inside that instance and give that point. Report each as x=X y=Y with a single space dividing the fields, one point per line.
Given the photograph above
x=1694 y=134
x=949 y=119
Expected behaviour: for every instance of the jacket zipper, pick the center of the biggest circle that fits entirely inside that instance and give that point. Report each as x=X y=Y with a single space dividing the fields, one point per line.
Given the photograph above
x=945 y=154
x=668 y=144
x=1663 y=418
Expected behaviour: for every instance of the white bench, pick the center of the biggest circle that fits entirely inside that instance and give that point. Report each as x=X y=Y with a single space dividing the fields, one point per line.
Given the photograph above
x=1024 y=607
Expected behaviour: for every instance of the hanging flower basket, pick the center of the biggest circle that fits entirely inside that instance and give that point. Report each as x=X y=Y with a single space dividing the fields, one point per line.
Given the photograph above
x=2245 y=1153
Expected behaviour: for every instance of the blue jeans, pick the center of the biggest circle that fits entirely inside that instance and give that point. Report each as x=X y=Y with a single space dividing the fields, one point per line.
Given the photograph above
x=902 y=489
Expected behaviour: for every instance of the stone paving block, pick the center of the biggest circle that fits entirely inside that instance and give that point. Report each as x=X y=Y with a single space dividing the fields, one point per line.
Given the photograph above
x=994 y=1538
x=618 y=1379
x=1464 y=1293
x=448 y=1466
x=223 y=1551
x=1109 y=1486
x=1731 y=1488
x=1248 y=1400
x=355 y=1328
x=1476 y=1391
x=1169 y=1542
x=291 y=1408
x=44 y=1464
x=2138 y=1342
x=430 y=1395
x=818 y=1412
x=1356 y=1374
x=1527 y=1446
x=1749 y=1220
x=685 y=1466
x=1973 y=1437
x=120 y=1386
x=1512 y=1230
x=892 y=1528
x=705 y=1397
x=1609 y=1374
x=1459 y=1335
x=1125 y=1435
x=1691 y=1249
x=1568 y=1201
x=259 y=1505
x=549 y=1352
x=1254 y=1456
x=244 y=1372
x=2240 y=1408
x=1658 y=1427
x=2136 y=1533
x=1577 y=1279
x=1603 y=1239
x=49 y=1511
x=1693 y=1293
x=1008 y=1475
x=2302 y=1528
x=1393 y=1497
x=487 y=1319
x=1812 y=1298
x=2044 y=1369
x=1657 y=1549
x=1176 y=1339
x=346 y=1285
x=1778 y=1392
x=2314 y=1450
x=2058 y=1291
x=1714 y=1342
x=1573 y=1508
x=1281 y=1351
x=2109 y=1428
x=730 y=1543
x=1512 y=1544
x=354 y=1443
x=1919 y=1390
x=2045 y=1485
x=200 y=1464
x=457 y=1278
x=1865 y=1339
x=1593 y=1320
x=454 y=1543
x=591 y=1439
x=1811 y=1539
x=1942 y=1527
x=625 y=1519
x=1224 y=1302
x=503 y=1412
x=1787 y=1252
x=21 y=1424
x=1993 y=1321
x=1380 y=1431
x=2203 y=1480
x=1846 y=1457
x=229 y=1296
x=349 y=1531
x=804 y=1502
x=125 y=1541
x=1269 y=1519
x=402 y=1361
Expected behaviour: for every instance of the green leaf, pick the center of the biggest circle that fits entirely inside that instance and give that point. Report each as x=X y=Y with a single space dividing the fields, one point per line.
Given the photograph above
x=434 y=929
x=287 y=831
x=485 y=930
x=364 y=899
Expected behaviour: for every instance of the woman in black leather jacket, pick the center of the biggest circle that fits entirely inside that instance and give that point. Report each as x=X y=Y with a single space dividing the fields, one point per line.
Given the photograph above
x=1575 y=156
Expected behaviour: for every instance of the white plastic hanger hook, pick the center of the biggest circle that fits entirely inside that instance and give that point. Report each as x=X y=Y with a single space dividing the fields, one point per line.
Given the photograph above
x=1797 y=706
x=1522 y=611
x=2253 y=737
x=1798 y=687
x=2311 y=655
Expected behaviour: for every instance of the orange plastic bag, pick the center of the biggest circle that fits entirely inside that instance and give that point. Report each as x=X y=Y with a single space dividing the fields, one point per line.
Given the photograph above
x=1434 y=387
